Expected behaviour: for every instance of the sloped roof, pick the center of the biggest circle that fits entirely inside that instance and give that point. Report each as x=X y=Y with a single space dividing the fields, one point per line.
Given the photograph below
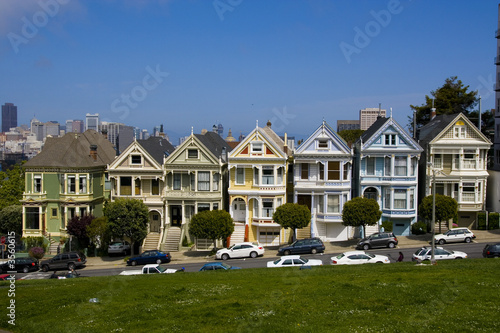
x=273 y=136
x=214 y=142
x=373 y=128
x=157 y=147
x=430 y=130
x=73 y=150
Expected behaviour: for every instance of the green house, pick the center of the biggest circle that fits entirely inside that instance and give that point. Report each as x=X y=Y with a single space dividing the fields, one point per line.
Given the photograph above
x=66 y=179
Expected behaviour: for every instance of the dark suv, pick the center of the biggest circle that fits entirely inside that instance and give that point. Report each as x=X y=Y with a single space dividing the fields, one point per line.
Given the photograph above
x=68 y=260
x=491 y=251
x=378 y=239
x=308 y=245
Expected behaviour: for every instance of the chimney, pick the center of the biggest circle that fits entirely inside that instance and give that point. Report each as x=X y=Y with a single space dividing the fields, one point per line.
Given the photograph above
x=268 y=124
x=433 y=110
x=285 y=147
x=105 y=133
x=93 y=152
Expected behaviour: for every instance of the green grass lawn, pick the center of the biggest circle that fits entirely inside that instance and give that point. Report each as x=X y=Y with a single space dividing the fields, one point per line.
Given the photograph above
x=454 y=296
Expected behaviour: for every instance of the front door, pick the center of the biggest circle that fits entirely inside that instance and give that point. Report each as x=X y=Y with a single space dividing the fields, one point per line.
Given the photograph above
x=304 y=200
x=176 y=215
x=154 y=222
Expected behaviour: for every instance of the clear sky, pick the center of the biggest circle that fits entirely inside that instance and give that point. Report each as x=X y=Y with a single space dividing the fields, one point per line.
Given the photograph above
x=192 y=63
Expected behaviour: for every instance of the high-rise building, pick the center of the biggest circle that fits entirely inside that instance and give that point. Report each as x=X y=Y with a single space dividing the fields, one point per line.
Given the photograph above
x=368 y=116
x=77 y=126
x=9 y=116
x=69 y=126
x=92 y=122
x=347 y=125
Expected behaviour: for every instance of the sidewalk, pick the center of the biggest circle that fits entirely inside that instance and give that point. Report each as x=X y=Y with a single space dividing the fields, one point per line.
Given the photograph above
x=186 y=256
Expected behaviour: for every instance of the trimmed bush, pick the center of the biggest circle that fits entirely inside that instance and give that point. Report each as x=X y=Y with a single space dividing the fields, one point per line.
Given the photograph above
x=387 y=225
x=419 y=228
x=481 y=221
x=36 y=252
x=493 y=221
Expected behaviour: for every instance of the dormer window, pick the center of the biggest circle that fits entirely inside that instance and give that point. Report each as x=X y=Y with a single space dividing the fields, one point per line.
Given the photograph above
x=192 y=153
x=257 y=147
x=136 y=159
x=323 y=143
x=390 y=139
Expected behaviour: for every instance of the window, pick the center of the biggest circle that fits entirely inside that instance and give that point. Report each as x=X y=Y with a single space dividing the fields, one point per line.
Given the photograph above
x=53 y=212
x=203 y=206
x=323 y=143
x=412 y=198
x=125 y=185
x=240 y=176
x=83 y=211
x=215 y=206
x=321 y=171
x=203 y=181
x=333 y=204
x=280 y=176
x=370 y=165
x=193 y=181
x=267 y=208
x=215 y=182
x=177 y=181
x=460 y=131
x=71 y=212
x=137 y=186
x=321 y=203
x=155 y=186
x=400 y=165
x=387 y=165
x=256 y=176
x=390 y=139
x=136 y=159
x=257 y=147
x=192 y=153
x=82 y=184
x=346 y=171
x=304 y=171
x=268 y=176
x=32 y=218
x=387 y=198
x=71 y=184
x=333 y=170
x=413 y=164
x=37 y=184
x=399 y=199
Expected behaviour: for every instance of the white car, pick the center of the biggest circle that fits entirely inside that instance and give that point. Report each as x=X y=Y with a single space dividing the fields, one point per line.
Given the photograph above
x=241 y=250
x=359 y=257
x=455 y=235
x=119 y=247
x=439 y=254
x=294 y=261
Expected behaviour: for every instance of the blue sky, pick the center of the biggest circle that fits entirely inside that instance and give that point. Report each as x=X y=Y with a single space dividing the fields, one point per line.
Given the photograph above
x=184 y=63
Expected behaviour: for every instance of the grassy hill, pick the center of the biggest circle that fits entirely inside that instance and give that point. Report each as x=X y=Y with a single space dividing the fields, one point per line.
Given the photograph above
x=454 y=296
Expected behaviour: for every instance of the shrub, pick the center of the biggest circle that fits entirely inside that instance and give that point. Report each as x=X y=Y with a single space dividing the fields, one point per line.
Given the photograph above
x=419 y=228
x=481 y=221
x=36 y=252
x=493 y=221
x=35 y=242
x=387 y=225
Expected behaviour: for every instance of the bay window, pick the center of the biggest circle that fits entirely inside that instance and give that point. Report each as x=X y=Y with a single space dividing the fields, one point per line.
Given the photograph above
x=399 y=199
x=400 y=165
x=333 y=204
x=203 y=181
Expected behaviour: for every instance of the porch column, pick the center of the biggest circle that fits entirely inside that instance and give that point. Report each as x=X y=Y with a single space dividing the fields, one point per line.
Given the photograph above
x=313 y=215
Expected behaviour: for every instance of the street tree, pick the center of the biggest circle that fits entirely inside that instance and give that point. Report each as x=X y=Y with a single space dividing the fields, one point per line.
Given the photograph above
x=11 y=219
x=99 y=233
x=127 y=218
x=451 y=98
x=211 y=224
x=292 y=215
x=446 y=208
x=11 y=186
x=350 y=136
x=360 y=212
x=77 y=226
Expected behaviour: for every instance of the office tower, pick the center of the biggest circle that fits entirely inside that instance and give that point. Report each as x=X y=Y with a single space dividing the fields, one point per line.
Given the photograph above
x=92 y=122
x=368 y=116
x=9 y=116
x=347 y=125
x=77 y=126
x=69 y=126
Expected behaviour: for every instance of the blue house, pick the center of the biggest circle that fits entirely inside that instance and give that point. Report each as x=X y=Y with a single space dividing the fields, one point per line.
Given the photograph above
x=385 y=169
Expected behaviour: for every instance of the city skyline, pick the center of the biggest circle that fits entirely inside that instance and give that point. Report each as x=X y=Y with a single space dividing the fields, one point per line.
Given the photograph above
x=189 y=64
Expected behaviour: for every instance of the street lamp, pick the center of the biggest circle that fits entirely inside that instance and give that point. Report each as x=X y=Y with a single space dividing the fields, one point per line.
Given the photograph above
x=433 y=221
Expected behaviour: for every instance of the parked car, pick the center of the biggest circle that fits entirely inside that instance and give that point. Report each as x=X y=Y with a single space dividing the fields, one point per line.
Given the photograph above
x=439 y=254
x=294 y=261
x=152 y=269
x=378 y=239
x=359 y=257
x=119 y=247
x=5 y=277
x=241 y=250
x=24 y=264
x=68 y=260
x=491 y=251
x=217 y=266
x=150 y=257
x=308 y=245
x=455 y=235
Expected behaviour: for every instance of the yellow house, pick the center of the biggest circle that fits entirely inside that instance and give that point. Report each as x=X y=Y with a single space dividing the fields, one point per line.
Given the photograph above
x=257 y=185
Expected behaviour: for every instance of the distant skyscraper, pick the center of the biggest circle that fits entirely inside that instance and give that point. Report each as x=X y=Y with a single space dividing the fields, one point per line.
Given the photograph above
x=9 y=116
x=220 y=130
x=368 y=116
x=77 y=126
x=347 y=125
x=92 y=122
x=69 y=126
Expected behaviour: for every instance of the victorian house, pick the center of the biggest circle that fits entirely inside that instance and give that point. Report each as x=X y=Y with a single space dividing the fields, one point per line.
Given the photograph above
x=257 y=185
x=196 y=179
x=322 y=181
x=455 y=155
x=138 y=174
x=67 y=178
x=386 y=169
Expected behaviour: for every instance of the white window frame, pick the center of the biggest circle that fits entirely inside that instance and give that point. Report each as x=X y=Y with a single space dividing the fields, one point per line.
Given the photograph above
x=203 y=181
x=268 y=176
x=331 y=205
x=400 y=200
x=257 y=147
x=71 y=183
x=370 y=162
x=267 y=208
x=82 y=184
x=37 y=184
x=239 y=176
x=132 y=159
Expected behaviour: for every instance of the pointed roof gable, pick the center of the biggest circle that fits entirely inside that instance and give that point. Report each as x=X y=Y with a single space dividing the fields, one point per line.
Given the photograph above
x=73 y=150
x=382 y=125
x=324 y=131
x=266 y=134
